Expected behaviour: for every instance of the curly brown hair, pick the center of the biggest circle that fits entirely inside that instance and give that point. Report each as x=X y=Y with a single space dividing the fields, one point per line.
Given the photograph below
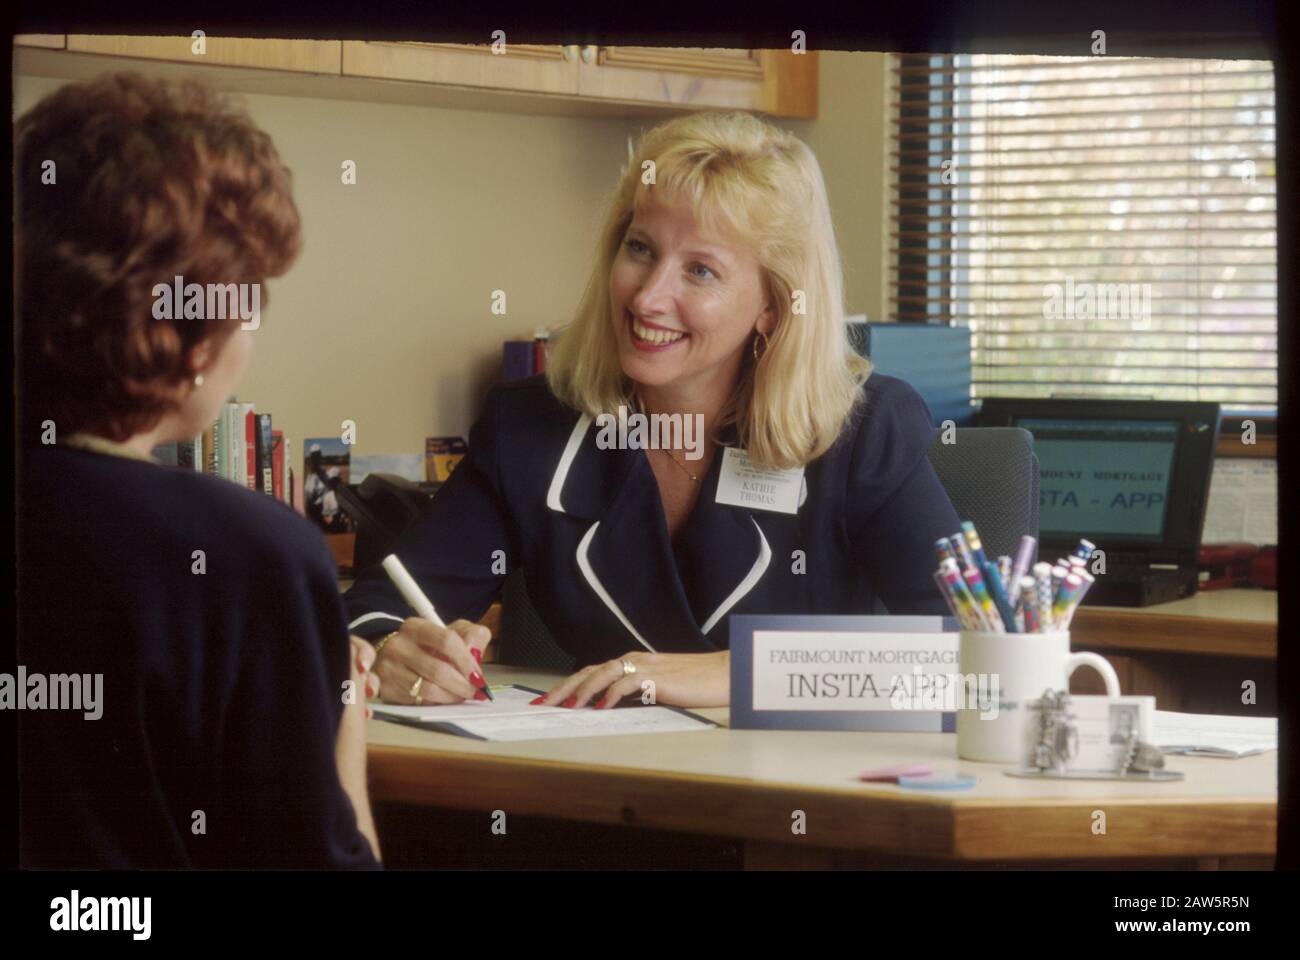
x=151 y=180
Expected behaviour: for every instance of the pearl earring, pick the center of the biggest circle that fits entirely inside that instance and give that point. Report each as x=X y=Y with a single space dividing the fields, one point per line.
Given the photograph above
x=198 y=380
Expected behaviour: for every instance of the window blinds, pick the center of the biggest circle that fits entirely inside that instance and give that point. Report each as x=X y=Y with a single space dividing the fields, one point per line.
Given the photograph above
x=1106 y=227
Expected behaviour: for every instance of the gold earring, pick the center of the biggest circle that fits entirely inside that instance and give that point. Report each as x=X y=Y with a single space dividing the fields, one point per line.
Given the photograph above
x=757 y=354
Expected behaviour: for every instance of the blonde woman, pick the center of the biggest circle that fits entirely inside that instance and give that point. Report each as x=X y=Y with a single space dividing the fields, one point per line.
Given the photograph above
x=705 y=442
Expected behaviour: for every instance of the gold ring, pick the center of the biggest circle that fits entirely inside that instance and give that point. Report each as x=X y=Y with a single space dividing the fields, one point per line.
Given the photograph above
x=415 y=688
x=629 y=668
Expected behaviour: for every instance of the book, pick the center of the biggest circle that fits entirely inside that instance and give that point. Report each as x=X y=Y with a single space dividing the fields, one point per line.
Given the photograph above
x=220 y=460
x=209 y=449
x=541 y=341
x=277 y=465
x=290 y=495
x=517 y=359
x=248 y=417
x=233 y=453
x=262 y=447
x=441 y=454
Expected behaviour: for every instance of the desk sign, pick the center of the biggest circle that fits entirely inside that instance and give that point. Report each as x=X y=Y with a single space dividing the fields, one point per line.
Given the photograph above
x=843 y=673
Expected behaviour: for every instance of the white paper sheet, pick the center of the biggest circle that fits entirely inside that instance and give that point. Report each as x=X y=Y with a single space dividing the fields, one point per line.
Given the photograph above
x=509 y=699
x=513 y=717
x=1203 y=734
x=1243 y=502
x=583 y=723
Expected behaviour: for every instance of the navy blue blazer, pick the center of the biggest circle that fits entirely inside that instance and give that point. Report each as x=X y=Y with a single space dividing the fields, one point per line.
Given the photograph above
x=588 y=528
x=220 y=691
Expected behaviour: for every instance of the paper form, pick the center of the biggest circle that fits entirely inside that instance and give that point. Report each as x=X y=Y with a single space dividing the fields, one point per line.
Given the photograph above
x=509 y=699
x=1243 y=502
x=512 y=717
x=1201 y=734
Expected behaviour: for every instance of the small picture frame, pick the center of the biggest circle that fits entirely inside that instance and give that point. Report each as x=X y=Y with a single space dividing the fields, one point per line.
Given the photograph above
x=1088 y=734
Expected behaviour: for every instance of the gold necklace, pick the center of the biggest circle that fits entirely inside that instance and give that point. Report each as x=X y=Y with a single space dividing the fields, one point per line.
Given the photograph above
x=680 y=465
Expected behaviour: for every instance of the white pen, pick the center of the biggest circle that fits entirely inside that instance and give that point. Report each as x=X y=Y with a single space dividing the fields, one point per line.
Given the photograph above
x=415 y=597
x=411 y=591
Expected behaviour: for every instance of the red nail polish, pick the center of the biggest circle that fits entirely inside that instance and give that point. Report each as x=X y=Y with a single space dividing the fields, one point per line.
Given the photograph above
x=476 y=678
x=570 y=702
x=480 y=695
x=600 y=703
x=534 y=703
x=478 y=654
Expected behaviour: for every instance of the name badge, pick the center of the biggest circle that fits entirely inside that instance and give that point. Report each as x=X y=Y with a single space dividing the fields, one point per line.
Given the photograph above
x=743 y=484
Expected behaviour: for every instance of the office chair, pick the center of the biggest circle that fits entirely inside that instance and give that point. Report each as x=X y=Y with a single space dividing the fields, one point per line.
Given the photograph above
x=989 y=473
x=991 y=476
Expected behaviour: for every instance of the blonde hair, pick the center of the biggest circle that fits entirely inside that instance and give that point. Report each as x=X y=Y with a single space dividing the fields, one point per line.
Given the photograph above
x=744 y=177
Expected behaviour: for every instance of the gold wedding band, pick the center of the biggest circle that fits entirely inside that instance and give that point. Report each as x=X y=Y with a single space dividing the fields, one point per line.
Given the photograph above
x=629 y=668
x=415 y=688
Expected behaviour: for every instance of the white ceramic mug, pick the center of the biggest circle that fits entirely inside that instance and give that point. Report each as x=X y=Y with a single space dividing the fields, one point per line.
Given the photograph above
x=1011 y=668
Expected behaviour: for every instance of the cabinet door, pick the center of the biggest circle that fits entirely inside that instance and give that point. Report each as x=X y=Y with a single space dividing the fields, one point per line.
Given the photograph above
x=51 y=41
x=300 y=56
x=529 y=68
x=773 y=81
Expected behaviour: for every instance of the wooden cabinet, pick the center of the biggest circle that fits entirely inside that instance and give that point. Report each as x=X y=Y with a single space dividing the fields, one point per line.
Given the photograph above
x=298 y=56
x=540 y=78
x=774 y=81
x=524 y=67
x=778 y=82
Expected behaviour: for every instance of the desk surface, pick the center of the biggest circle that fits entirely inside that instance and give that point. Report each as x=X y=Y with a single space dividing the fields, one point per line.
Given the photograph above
x=747 y=784
x=1231 y=623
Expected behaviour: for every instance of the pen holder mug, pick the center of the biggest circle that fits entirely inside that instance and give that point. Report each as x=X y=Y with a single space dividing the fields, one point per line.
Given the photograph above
x=1008 y=669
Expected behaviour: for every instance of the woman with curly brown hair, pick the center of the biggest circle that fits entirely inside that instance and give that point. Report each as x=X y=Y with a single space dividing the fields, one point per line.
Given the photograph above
x=202 y=617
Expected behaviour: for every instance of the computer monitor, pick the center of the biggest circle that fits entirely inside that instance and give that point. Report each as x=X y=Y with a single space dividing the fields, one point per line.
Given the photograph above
x=1132 y=476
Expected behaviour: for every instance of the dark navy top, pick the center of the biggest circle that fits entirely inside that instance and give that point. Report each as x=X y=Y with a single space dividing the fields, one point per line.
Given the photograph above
x=588 y=528
x=222 y=690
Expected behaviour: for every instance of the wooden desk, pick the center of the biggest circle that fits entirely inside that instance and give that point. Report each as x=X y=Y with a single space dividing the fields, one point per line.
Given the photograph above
x=1192 y=655
x=1227 y=623
x=747 y=784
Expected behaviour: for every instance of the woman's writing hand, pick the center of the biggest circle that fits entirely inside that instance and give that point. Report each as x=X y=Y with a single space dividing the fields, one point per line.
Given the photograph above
x=445 y=659
x=676 y=679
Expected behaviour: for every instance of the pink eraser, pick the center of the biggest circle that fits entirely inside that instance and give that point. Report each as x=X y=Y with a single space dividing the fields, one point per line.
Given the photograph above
x=891 y=774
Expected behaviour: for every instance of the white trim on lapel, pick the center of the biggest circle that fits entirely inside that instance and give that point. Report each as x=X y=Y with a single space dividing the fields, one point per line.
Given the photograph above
x=566 y=461
x=585 y=566
x=367 y=617
x=755 y=574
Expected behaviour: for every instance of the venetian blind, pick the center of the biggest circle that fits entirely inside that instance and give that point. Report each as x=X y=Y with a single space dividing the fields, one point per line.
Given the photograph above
x=1106 y=227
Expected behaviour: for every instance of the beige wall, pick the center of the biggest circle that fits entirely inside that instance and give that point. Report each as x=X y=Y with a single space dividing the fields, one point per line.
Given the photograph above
x=385 y=319
x=849 y=138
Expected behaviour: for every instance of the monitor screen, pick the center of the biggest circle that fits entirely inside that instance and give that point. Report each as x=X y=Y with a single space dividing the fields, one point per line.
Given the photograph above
x=1103 y=476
